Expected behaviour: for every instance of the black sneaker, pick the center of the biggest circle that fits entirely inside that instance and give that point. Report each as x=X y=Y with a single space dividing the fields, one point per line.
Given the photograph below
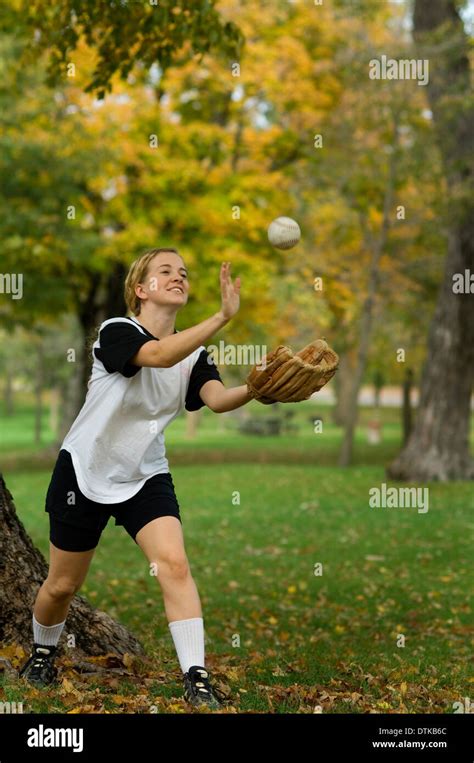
x=39 y=669
x=198 y=691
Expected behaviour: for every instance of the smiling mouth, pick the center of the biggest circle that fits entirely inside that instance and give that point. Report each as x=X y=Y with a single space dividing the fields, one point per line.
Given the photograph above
x=177 y=288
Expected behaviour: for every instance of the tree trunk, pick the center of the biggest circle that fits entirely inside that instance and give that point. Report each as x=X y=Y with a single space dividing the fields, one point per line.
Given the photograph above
x=72 y=398
x=8 y=392
x=192 y=423
x=22 y=570
x=342 y=387
x=39 y=391
x=378 y=382
x=366 y=323
x=377 y=392
x=54 y=410
x=101 y=301
x=87 y=315
x=406 y=406
x=438 y=448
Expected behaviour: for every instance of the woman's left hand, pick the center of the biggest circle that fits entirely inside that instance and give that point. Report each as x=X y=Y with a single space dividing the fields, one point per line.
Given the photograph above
x=230 y=292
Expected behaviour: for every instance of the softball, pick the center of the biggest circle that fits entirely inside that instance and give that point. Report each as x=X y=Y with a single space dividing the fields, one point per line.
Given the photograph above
x=284 y=233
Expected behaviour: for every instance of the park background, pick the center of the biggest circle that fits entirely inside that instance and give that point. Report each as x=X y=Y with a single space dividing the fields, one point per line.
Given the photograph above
x=194 y=125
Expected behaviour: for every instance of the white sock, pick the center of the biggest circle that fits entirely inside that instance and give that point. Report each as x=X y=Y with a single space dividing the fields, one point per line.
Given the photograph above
x=47 y=635
x=188 y=637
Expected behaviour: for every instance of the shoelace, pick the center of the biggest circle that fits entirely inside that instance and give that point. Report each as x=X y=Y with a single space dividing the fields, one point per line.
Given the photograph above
x=39 y=661
x=201 y=682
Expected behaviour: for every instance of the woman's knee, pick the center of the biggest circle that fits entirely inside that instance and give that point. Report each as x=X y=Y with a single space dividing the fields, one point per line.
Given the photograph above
x=62 y=588
x=173 y=565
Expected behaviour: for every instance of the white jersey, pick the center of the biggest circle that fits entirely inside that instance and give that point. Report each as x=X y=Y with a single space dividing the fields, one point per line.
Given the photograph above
x=117 y=440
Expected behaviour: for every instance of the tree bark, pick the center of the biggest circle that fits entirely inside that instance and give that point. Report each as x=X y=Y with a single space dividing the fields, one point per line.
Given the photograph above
x=22 y=570
x=192 y=423
x=101 y=301
x=54 y=410
x=378 y=382
x=72 y=398
x=406 y=405
x=8 y=392
x=39 y=391
x=366 y=323
x=438 y=448
x=342 y=388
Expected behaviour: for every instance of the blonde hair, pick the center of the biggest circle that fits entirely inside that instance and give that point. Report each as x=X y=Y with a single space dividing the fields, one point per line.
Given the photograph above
x=137 y=273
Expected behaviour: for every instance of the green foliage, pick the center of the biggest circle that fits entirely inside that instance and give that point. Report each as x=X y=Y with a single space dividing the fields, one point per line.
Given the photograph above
x=124 y=33
x=47 y=162
x=224 y=143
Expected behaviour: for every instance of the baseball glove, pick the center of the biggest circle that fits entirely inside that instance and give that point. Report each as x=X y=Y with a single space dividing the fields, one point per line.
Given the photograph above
x=288 y=378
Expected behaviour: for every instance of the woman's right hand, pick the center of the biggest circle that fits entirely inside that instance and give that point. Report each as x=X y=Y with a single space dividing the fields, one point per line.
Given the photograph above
x=230 y=292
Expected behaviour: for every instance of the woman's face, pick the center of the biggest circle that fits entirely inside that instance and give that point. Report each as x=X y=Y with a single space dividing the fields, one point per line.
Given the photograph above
x=166 y=282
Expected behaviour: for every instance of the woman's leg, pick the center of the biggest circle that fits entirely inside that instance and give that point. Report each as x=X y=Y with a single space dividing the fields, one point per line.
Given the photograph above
x=162 y=542
x=67 y=572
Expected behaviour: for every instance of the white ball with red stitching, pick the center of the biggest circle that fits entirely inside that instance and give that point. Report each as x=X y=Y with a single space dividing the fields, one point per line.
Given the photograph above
x=284 y=233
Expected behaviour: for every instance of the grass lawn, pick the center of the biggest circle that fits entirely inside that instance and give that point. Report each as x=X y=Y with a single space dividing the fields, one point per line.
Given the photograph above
x=219 y=439
x=281 y=638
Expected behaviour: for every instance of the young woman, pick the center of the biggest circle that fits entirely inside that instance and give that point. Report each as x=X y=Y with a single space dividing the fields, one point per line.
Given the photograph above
x=112 y=461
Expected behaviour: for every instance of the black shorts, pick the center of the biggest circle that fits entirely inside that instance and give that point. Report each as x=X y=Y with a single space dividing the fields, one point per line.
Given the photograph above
x=78 y=526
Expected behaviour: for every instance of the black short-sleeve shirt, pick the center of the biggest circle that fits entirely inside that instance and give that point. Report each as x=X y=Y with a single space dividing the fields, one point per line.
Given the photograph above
x=119 y=342
x=203 y=371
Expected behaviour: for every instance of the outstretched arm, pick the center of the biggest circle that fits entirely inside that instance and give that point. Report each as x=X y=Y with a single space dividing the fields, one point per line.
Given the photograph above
x=221 y=399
